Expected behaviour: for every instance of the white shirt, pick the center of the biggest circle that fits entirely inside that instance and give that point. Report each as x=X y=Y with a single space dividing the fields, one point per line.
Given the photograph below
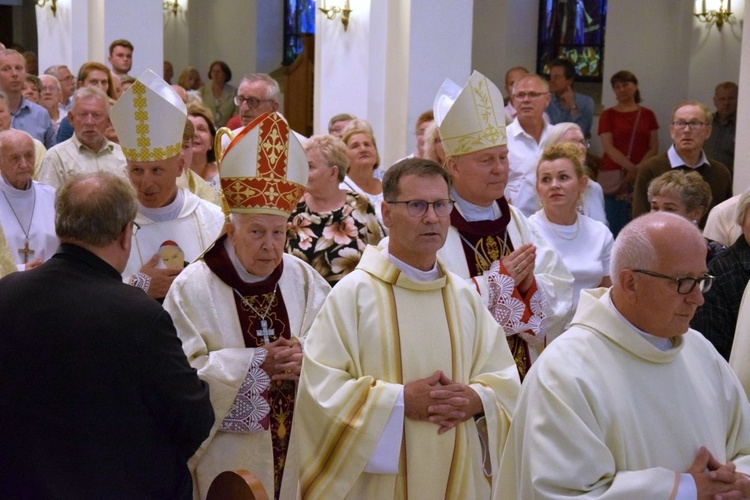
x=523 y=153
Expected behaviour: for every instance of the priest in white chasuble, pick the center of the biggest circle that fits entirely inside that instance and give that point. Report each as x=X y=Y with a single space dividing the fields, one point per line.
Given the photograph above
x=630 y=402
x=27 y=207
x=149 y=119
x=408 y=386
x=520 y=277
x=244 y=309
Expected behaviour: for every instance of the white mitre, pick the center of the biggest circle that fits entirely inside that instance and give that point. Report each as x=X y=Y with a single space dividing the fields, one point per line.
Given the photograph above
x=149 y=119
x=470 y=119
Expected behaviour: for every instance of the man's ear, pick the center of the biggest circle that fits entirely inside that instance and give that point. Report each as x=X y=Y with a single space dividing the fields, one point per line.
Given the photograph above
x=385 y=209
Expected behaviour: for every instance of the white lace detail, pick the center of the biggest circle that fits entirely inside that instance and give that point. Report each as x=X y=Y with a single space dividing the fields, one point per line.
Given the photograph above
x=249 y=406
x=508 y=311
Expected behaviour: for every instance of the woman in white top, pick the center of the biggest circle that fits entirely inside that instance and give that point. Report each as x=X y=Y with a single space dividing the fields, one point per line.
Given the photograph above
x=583 y=243
x=363 y=160
x=593 y=196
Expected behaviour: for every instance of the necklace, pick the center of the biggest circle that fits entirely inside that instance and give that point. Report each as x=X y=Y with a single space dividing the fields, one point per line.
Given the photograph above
x=482 y=260
x=562 y=237
x=25 y=251
x=264 y=331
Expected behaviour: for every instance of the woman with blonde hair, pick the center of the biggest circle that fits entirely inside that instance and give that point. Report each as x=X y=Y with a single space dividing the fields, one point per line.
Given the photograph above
x=592 y=203
x=363 y=160
x=331 y=227
x=583 y=243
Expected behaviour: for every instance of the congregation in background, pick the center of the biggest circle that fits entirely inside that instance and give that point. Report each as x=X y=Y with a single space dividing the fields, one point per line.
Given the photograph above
x=499 y=314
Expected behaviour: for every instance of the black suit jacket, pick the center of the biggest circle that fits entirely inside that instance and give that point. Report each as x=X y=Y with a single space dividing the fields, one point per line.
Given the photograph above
x=97 y=399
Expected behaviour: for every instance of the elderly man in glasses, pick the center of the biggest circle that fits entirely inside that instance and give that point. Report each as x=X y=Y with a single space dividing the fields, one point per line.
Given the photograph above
x=690 y=128
x=408 y=385
x=630 y=402
x=257 y=93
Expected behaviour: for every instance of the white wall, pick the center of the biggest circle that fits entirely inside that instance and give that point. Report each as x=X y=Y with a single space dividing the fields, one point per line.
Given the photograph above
x=504 y=36
x=137 y=24
x=221 y=29
x=742 y=147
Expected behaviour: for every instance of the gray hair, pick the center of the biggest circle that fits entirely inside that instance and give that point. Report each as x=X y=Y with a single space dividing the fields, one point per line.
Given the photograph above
x=85 y=93
x=742 y=205
x=272 y=86
x=94 y=208
x=556 y=132
x=531 y=76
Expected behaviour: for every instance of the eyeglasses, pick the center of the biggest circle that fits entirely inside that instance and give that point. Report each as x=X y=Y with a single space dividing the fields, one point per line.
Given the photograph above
x=530 y=95
x=136 y=228
x=583 y=142
x=50 y=89
x=679 y=125
x=684 y=285
x=417 y=208
x=252 y=102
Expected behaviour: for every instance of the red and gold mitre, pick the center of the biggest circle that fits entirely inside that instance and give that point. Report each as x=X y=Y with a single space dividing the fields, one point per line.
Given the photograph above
x=263 y=170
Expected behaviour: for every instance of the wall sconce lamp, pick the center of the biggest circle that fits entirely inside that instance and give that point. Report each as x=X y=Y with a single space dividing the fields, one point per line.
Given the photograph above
x=52 y=6
x=172 y=6
x=712 y=15
x=332 y=12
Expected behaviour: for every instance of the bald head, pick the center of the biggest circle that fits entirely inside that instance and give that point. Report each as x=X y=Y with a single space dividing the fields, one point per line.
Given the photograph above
x=16 y=158
x=658 y=261
x=180 y=92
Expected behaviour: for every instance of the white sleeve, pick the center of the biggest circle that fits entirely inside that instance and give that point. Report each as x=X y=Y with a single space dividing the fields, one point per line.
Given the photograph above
x=384 y=459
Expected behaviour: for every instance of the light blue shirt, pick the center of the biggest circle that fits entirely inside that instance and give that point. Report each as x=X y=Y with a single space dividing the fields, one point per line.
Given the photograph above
x=585 y=118
x=35 y=121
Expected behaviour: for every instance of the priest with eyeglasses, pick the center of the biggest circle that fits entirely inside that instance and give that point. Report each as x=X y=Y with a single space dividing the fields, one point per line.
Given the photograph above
x=408 y=385
x=630 y=402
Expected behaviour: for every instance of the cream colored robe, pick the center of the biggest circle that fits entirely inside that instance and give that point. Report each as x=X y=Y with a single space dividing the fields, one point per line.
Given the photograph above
x=7 y=263
x=204 y=314
x=376 y=331
x=605 y=414
x=552 y=277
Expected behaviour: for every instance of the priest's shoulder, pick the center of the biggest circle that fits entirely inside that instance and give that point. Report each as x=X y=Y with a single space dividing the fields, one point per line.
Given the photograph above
x=299 y=267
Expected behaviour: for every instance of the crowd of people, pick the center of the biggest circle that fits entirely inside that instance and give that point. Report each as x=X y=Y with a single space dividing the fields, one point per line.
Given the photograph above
x=197 y=288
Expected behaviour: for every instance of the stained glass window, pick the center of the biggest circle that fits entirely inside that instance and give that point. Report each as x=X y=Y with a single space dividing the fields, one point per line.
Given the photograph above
x=299 y=19
x=573 y=29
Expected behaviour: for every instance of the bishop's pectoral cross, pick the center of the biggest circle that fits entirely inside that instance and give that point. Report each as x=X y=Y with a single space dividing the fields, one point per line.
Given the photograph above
x=26 y=251
x=265 y=332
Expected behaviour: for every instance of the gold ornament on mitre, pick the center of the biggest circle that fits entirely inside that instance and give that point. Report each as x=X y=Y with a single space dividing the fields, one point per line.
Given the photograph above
x=149 y=119
x=470 y=118
x=264 y=169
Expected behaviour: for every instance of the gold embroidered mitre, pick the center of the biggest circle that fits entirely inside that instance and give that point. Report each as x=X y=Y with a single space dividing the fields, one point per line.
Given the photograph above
x=264 y=168
x=149 y=119
x=470 y=119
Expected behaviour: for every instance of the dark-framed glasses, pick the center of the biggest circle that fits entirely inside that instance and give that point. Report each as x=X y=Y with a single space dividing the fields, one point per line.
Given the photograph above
x=252 y=102
x=417 y=208
x=136 y=227
x=680 y=124
x=684 y=285
x=531 y=95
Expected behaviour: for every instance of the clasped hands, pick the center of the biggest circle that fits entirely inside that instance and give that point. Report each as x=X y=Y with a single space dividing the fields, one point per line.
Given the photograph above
x=717 y=481
x=283 y=361
x=439 y=400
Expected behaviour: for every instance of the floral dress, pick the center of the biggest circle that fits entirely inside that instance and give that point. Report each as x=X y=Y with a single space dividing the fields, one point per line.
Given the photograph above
x=333 y=242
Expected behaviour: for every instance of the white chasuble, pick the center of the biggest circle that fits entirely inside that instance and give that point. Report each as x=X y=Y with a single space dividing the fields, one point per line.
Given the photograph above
x=377 y=331
x=198 y=225
x=33 y=211
x=604 y=414
x=205 y=316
